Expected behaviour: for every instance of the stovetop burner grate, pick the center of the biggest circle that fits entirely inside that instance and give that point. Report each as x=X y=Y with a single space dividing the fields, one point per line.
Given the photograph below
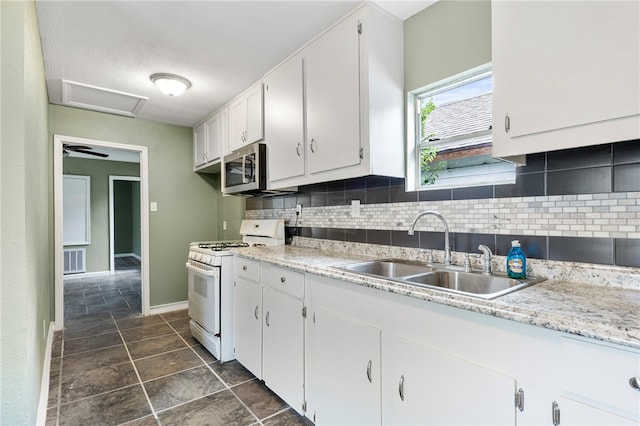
x=222 y=245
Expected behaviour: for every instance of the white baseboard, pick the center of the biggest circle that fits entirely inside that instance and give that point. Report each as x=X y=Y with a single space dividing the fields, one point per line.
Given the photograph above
x=169 y=307
x=46 y=372
x=85 y=275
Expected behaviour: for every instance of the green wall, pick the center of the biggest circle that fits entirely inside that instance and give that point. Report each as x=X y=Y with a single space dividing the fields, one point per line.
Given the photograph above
x=99 y=171
x=445 y=39
x=187 y=202
x=26 y=244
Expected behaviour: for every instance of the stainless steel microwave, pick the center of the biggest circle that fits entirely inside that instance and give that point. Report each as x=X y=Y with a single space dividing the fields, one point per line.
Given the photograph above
x=244 y=171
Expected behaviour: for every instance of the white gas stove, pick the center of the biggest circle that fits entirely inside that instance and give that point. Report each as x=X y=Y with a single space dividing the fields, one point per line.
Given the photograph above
x=210 y=267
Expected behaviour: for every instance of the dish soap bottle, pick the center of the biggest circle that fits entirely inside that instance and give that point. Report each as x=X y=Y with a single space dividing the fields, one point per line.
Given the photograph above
x=516 y=262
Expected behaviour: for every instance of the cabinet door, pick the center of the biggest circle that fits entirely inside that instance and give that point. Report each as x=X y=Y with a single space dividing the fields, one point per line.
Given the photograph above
x=427 y=387
x=284 y=129
x=212 y=147
x=283 y=347
x=342 y=371
x=573 y=413
x=237 y=123
x=199 y=135
x=333 y=98
x=247 y=325
x=566 y=73
x=255 y=118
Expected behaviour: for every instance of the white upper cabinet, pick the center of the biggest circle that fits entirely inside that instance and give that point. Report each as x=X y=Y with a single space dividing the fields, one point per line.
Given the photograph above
x=284 y=120
x=566 y=74
x=199 y=141
x=353 y=104
x=210 y=140
x=246 y=118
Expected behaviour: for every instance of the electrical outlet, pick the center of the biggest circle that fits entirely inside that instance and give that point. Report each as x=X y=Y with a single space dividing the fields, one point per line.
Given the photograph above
x=299 y=209
x=355 y=208
x=154 y=206
x=224 y=225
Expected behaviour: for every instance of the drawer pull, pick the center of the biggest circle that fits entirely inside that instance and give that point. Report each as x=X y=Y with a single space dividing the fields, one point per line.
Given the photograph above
x=266 y=320
x=282 y=279
x=244 y=268
x=401 y=387
x=369 y=371
x=255 y=313
x=634 y=382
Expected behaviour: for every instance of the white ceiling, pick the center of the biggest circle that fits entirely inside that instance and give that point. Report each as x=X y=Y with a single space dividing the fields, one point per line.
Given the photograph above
x=222 y=47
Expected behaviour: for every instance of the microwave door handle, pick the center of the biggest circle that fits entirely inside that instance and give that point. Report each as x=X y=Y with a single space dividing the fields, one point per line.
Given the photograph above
x=244 y=169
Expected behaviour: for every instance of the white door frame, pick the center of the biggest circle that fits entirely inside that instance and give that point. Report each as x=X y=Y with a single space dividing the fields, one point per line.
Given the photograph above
x=112 y=178
x=58 y=141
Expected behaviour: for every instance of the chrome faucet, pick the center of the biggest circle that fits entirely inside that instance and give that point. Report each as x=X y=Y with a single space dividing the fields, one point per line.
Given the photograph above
x=447 y=250
x=486 y=252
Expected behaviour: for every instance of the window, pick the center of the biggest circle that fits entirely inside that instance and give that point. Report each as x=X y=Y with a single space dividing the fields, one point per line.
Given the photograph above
x=450 y=145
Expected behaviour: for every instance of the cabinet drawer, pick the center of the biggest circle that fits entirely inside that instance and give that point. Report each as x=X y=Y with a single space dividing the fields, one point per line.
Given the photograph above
x=246 y=268
x=283 y=279
x=599 y=376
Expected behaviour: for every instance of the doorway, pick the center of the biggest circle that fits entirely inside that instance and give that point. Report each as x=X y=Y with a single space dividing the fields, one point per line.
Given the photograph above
x=142 y=245
x=124 y=223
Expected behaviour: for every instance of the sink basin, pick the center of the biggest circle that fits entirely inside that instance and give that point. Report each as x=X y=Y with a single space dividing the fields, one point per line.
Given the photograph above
x=418 y=274
x=475 y=284
x=387 y=268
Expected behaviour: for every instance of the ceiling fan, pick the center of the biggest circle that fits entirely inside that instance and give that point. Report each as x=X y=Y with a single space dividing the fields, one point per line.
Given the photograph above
x=81 y=148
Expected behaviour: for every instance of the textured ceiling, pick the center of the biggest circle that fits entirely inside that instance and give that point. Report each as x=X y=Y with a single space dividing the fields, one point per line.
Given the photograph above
x=222 y=47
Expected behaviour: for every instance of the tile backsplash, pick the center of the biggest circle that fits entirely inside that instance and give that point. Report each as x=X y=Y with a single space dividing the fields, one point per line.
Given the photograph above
x=579 y=205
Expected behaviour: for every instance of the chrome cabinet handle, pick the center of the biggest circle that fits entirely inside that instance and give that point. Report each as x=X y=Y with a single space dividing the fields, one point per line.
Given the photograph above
x=369 y=371
x=299 y=149
x=282 y=279
x=266 y=319
x=401 y=387
x=634 y=382
x=555 y=413
x=313 y=145
x=507 y=123
x=244 y=267
x=255 y=312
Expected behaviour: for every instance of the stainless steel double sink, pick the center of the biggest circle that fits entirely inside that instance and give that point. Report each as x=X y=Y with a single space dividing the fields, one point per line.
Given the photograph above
x=441 y=278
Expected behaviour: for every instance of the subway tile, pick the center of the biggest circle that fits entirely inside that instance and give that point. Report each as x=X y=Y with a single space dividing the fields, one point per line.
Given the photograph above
x=318 y=200
x=377 y=195
x=393 y=181
x=590 y=156
x=354 y=194
x=356 y=235
x=403 y=239
x=290 y=202
x=253 y=203
x=626 y=152
x=626 y=178
x=587 y=250
x=267 y=203
x=535 y=163
x=397 y=194
x=377 y=182
x=320 y=233
x=315 y=187
x=336 y=185
x=468 y=243
x=527 y=185
x=581 y=181
x=376 y=236
x=534 y=247
x=627 y=252
x=473 y=193
x=335 y=234
x=355 y=183
x=432 y=240
x=277 y=202
x=305 y=231
x=336 y=198
x=435 y=195
x=304 y=200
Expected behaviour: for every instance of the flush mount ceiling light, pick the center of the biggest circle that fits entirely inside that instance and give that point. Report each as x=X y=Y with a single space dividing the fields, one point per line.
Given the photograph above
x=170 y=84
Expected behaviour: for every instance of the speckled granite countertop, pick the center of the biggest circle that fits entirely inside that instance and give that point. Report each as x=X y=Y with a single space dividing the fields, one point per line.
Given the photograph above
x=595 y=311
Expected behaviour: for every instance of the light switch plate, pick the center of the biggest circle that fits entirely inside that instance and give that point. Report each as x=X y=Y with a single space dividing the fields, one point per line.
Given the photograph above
x=154 y=206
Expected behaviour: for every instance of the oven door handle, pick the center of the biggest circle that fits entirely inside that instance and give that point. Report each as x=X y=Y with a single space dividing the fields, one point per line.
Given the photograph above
x=202 y=272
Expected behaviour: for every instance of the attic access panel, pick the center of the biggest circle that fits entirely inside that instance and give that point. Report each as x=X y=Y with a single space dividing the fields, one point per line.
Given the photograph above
x=94 y=98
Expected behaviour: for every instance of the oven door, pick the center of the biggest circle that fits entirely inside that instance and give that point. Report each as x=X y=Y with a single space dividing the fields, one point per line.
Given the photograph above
x=204 y=297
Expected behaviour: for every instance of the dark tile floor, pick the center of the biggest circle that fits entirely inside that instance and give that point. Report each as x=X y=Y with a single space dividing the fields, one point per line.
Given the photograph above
x=118 y=294
x=107 y=370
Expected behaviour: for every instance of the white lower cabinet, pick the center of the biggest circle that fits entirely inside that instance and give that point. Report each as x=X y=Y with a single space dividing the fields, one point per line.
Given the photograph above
x=573 y=413
x=343 y=370
x=247 y=324
x=283 y=347
x=424 y=386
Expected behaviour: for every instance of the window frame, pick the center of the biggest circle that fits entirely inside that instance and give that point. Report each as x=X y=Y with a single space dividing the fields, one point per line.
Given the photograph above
x=414 y=145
